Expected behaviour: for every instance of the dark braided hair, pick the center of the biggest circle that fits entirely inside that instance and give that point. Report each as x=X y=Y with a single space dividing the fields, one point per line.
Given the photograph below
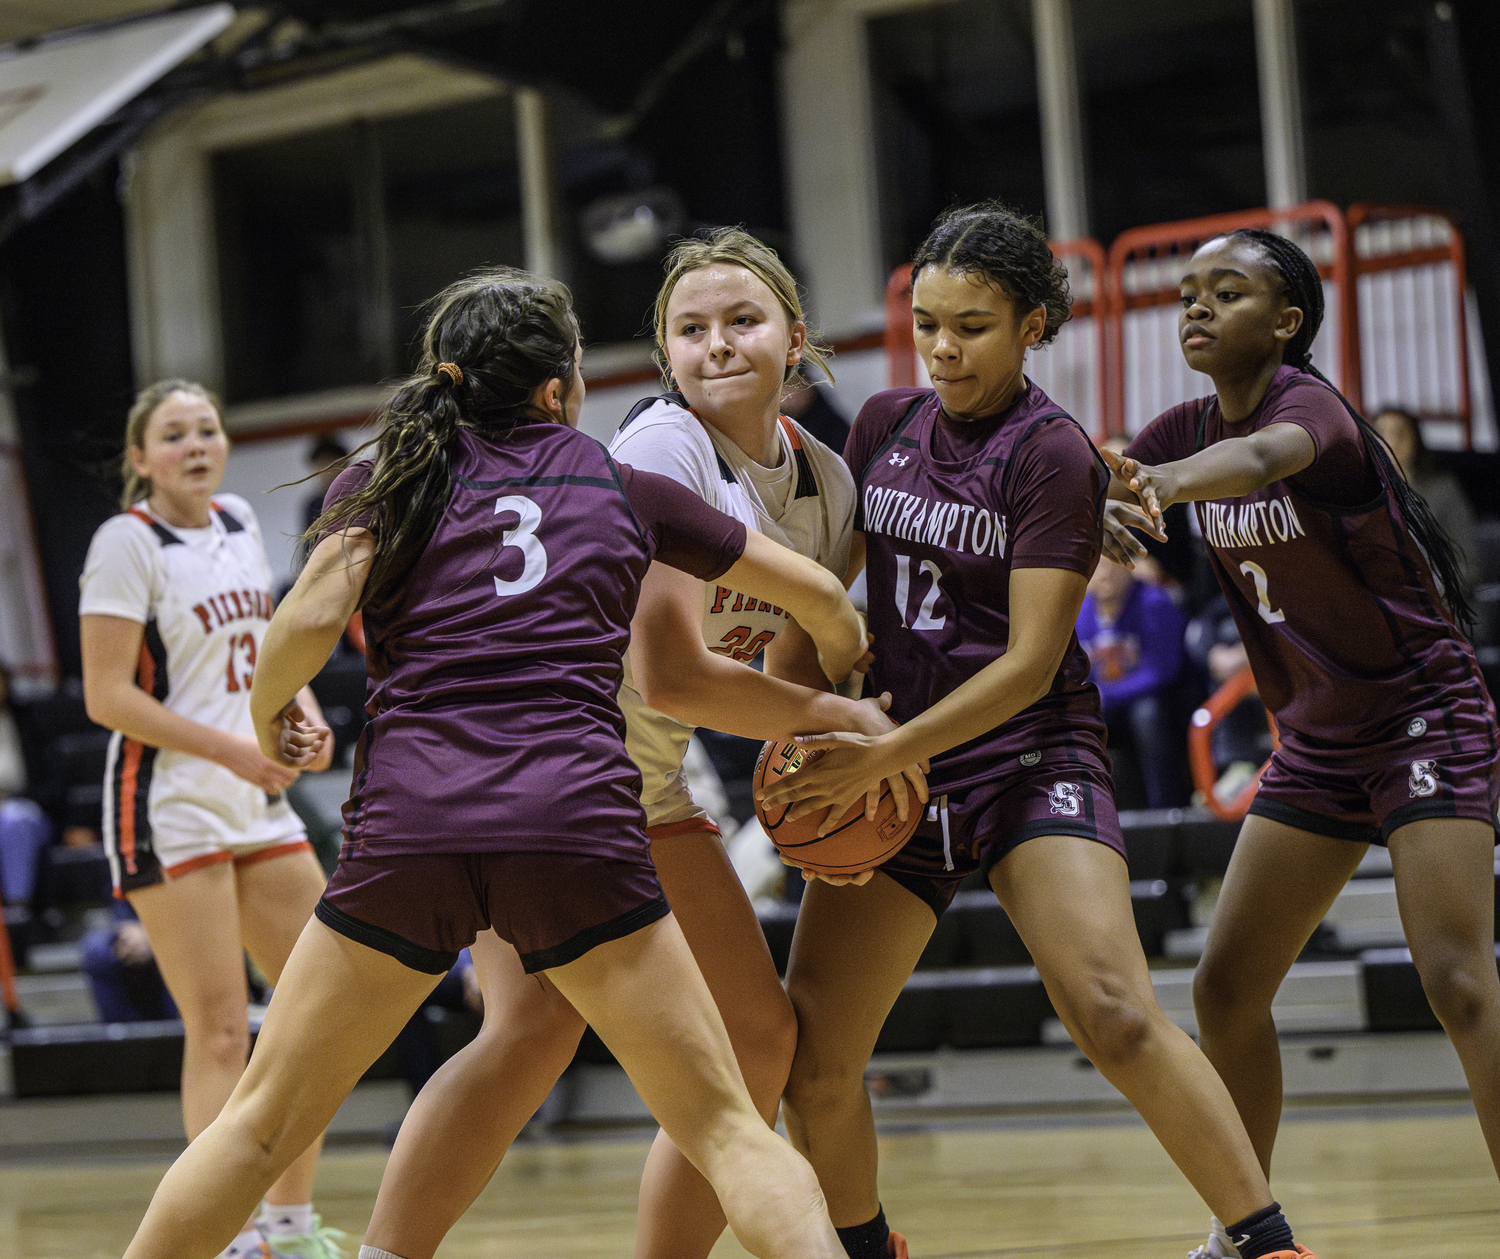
x=1303 y=288
x=506 y=333
x=1006 y=248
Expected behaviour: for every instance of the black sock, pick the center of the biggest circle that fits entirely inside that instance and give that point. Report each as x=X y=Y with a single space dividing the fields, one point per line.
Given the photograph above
x=1263 y=1233
x=869 y=1240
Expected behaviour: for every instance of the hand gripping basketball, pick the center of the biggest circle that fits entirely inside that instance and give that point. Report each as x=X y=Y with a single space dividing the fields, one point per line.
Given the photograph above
x=854 y=844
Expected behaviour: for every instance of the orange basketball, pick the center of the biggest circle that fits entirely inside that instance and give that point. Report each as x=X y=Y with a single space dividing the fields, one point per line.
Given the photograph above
x=855 y=844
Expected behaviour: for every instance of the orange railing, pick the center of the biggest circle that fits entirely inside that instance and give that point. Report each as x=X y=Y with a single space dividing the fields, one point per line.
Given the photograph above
x=1409 y=260
x=1201 y=728
x=1395 y=326
x=1147 y=373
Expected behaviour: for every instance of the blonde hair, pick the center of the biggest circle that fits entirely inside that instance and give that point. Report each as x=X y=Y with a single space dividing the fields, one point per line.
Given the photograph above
x=142 y=409
x=735 y=246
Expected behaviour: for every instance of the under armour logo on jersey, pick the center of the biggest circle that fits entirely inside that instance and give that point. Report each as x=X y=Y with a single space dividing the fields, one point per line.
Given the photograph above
x=1066 y=798
x=899 y=460
x=1423 y=781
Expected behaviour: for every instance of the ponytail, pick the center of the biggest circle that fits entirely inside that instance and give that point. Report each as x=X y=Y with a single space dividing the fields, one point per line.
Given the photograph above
x=491 y=340
x=1303 y=288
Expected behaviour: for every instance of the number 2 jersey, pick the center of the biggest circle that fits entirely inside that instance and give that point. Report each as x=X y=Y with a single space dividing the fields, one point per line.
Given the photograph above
x=805 y=503
x=203 y=597
x=1336 y=603
x=949 y=510
x=494 y=664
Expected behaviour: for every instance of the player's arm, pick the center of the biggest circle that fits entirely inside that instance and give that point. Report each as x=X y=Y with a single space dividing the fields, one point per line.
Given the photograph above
x=111 y=648
x=1227 y=469
x=1044 y=605
x=677 y=674
x=302 y=635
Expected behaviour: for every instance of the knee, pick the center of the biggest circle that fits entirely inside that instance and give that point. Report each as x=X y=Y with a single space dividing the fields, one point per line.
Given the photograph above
x=1112 y=1022
x=220 y=1035
x=765 y=1042
x=1220 y=995
x=1460 y=988
x=823 y=1082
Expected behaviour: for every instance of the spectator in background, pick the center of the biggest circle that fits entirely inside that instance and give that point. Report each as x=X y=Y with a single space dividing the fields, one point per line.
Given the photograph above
x=1242 y=741
x=1132 y=632
x=1402 y=431
x=24 y=828
x=808 y=404
x=121 y=969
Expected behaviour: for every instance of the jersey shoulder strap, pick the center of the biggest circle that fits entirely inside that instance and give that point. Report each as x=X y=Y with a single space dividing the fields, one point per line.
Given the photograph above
x=807 y=484
x=1057 y=413
x=230 y=522
x=897 y=435
x=163 y=535
x=1202 y=427
x=677 y=400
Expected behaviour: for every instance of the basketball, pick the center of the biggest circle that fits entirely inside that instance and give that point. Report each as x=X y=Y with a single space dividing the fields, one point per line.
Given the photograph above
x=855 y=844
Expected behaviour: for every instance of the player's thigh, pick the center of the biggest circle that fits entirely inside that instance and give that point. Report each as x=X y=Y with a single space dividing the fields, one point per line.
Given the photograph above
x=338 y=1006
x=518 y=1006
x=1280 y=883
x=644 y=995
x=276 y=898
x=193 y=924
x=721 y=929
x=1069 y=898
x=852 y=953
x=1445 y=888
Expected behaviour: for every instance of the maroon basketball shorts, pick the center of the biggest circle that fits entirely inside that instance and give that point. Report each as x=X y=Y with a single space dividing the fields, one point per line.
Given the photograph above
x=552 y=907
x=1364 y=793
x=1065 y=791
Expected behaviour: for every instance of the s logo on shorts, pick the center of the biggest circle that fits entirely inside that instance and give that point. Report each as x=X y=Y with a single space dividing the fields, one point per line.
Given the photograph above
x=1065 y=798
x=1416 y=727
x=1030 y=758
x=1423 y=782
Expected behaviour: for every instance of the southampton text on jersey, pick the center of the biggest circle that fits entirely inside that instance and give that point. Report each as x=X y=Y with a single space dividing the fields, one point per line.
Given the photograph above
x=1258 y=523
x=960 y=527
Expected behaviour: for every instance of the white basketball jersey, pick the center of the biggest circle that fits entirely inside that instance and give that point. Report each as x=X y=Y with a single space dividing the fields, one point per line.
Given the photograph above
x=805 y=503
x=203 y=597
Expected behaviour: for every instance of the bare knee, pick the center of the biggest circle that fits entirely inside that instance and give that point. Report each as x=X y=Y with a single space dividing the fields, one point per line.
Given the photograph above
x=220 y=1035
x=824 y=1083
x=1111 y=1022
x=765 y=1043
x=1461 y=987
x=1221 y=996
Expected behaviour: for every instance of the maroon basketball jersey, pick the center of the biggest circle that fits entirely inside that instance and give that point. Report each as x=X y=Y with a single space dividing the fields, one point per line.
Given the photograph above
x=1336 y=603
x=948 y=510
x=494 y=666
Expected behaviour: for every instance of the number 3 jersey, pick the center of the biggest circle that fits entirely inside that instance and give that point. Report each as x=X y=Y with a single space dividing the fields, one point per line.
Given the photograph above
x=204 y=598
x=1335 y=601
x=806 y=503
x=949 y=510
x=494 y=664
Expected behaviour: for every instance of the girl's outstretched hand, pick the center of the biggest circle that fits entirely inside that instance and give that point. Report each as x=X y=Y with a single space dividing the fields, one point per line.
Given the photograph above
x=1120 y=544
x=1151 y=485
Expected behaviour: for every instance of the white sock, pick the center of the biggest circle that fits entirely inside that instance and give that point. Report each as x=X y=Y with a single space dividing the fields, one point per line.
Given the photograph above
x=247 y=1243
x=287 y=1221
x=374 y=1252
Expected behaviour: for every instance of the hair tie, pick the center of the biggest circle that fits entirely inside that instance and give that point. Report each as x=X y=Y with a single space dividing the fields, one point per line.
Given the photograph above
x=453 y=372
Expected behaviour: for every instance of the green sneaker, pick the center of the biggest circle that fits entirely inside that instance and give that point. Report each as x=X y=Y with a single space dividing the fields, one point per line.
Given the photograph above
x=321 y=1243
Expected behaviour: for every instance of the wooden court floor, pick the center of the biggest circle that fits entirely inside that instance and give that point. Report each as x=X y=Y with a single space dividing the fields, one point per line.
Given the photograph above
x=1393 y=1181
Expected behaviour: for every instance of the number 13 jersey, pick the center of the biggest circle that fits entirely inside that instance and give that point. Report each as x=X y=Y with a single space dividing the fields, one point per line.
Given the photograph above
x=949 y=509
x=203 y=597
